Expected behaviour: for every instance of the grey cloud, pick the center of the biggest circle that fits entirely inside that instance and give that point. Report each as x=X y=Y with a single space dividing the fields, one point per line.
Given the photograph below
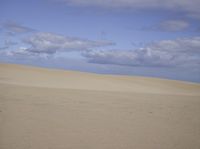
x=7 y=44
x=3 y=48
x=190 y=7
x=179 y=52
x=22 y=53
x=50 y=43
x=172 y=26
x=198 y=29
x=13 y=27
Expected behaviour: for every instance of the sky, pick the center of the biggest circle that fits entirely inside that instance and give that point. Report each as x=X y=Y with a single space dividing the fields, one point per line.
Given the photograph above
x=154 y=38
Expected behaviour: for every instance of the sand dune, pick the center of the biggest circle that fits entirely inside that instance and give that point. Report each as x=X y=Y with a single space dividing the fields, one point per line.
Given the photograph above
x=39 y=77
x=56 y=109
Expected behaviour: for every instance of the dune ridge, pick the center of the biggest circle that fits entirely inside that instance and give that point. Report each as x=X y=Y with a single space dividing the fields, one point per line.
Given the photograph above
x=56 y=109
x=51 y=78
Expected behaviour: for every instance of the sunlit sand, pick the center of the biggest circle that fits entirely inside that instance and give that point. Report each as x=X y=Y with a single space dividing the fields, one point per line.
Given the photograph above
x=56 y=109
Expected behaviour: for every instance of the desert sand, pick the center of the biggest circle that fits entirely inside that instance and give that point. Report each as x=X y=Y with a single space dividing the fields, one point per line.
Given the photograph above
x=56 y=109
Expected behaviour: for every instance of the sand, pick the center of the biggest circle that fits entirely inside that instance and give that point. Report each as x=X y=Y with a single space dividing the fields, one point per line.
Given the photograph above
x=55 y=109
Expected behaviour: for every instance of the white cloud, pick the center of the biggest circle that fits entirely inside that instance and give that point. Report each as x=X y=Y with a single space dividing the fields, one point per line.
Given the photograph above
x=19 y=51
x=179 y=52
x=50 y=43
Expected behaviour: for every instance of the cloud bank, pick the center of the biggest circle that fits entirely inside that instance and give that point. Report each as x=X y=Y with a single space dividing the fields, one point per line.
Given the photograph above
x=179 y=52
x=167 y=53
x=190 y=7
x=50 y=43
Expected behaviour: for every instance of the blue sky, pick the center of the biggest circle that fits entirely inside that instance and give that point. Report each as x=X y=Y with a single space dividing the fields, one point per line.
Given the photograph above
x=131 y=37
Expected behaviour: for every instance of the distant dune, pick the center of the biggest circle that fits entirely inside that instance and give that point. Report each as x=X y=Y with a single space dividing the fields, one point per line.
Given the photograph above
x=56 y=109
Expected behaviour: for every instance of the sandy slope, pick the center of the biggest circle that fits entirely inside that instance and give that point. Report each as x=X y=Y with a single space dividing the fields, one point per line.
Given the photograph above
x=54 y=109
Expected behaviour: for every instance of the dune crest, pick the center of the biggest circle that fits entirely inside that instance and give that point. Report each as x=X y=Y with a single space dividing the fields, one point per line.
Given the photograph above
x=51 y=78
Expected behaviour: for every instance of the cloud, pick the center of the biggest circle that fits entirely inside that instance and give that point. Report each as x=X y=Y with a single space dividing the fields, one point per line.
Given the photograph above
x=22 y=51
x=7 y=44
x=172 y=26
x=3 y=48
x=179 y=52
x=13 y=27
x=50 y=43
x=169 y=26
x=190 y=7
